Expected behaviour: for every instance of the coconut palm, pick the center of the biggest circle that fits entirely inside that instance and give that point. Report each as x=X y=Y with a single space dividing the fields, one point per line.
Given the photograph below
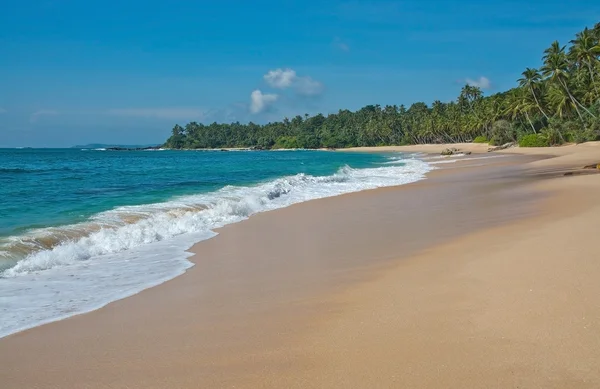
x=561 y=102
x=530 y=80
x=556 y=69
x=519 y=103
x=565 y=92
x=596 y=30
x=585 y=50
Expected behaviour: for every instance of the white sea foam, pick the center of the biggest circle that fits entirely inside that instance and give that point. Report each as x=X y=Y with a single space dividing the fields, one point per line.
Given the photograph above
x=462 y=159
x=131 y=248
x=445 y=161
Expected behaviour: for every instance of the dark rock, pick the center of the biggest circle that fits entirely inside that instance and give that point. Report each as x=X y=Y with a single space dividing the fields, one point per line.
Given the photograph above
x=450 y=151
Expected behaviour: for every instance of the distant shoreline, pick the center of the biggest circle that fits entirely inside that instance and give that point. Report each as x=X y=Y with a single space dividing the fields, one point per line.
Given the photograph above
x=114 y=145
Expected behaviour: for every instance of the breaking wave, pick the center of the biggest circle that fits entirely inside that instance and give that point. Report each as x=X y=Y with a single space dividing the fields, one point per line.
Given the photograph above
x=71 y=269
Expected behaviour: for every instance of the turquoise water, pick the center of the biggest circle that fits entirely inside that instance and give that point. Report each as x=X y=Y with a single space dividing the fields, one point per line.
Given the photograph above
x=81 y=228
x=60 y=186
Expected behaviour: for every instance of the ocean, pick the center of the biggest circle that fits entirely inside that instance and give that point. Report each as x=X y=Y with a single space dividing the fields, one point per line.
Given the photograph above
x=80 y=228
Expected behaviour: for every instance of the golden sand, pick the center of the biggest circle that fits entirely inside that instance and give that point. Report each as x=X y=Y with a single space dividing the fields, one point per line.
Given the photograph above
x=478 y=277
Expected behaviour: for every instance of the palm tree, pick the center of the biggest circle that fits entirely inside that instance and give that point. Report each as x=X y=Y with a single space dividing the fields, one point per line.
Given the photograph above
x=556 y=69
x=585 y=51
x=560 y=101
x=519 y=103
x=596 y=30
x=531 y=78
x=471 y=93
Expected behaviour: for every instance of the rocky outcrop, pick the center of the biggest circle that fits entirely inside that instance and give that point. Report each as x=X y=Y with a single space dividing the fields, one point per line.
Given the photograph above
x=450 y=151
x=455 y=151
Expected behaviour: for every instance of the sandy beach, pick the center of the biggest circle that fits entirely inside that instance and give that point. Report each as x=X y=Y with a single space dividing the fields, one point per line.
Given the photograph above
x=484 y=275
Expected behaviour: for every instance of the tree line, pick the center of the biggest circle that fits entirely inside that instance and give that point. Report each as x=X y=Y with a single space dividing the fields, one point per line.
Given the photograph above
x=557 y=103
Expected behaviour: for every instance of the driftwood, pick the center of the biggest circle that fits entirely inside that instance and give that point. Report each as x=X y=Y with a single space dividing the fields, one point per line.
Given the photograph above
x=503 y=147
x=593 y=166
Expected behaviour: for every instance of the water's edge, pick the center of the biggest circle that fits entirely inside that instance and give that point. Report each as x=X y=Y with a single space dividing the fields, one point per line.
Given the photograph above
x=59 y=290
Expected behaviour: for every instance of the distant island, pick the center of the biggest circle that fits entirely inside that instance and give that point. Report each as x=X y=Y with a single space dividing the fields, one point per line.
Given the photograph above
x=115 y=146
x=558 y=103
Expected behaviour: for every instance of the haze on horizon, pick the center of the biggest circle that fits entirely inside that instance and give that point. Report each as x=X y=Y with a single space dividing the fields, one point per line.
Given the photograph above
x=106 y=72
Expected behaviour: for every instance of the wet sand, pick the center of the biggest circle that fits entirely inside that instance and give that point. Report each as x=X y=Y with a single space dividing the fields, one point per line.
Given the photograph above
x=572 y=155
x=483 y=275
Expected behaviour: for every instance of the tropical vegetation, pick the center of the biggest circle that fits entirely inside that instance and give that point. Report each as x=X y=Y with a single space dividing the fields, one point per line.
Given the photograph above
x=557 y=103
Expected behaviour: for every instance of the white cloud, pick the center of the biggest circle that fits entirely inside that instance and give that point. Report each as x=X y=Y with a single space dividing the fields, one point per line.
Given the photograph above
x=482 y=82
x=287 y=78
x=308 y=87
x=338 y=44
x=42 y=112
x=343 y=46
x=260 y=101
x=161 y=113
x=280 y=78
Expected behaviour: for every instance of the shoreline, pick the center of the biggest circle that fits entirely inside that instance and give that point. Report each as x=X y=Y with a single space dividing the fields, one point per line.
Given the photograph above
x=415 y=174
x=350 y=278
x=189 y=252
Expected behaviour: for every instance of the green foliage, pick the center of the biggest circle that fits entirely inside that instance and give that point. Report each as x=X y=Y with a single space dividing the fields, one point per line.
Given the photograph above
x=590 y=131
x=560 y=101
x=481 y=139
x=561 y=131
x=533 y=140
x=502 y=132
x=287 y=142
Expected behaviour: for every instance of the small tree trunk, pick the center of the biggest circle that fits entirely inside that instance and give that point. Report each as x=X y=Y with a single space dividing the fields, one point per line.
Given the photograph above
x=530 y=123
x=538 y=103
x=592 y=77
x=576 y=102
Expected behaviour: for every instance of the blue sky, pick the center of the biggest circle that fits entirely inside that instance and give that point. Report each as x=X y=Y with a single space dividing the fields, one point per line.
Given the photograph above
x=75 y=72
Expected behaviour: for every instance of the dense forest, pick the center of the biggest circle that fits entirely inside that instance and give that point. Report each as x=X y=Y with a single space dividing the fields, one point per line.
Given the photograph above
x=557 y=103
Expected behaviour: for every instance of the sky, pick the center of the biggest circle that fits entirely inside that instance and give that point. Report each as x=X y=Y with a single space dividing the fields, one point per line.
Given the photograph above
x=125 y=72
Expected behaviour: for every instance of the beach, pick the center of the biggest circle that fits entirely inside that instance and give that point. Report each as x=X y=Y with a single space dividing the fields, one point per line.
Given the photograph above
x=483 y=275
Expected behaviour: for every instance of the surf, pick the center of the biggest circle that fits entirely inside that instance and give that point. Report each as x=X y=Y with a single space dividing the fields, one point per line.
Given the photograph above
x=55 y=272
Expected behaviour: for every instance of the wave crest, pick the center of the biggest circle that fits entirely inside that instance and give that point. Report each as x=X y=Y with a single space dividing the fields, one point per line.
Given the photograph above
x=127 y=227
x=57 y=272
